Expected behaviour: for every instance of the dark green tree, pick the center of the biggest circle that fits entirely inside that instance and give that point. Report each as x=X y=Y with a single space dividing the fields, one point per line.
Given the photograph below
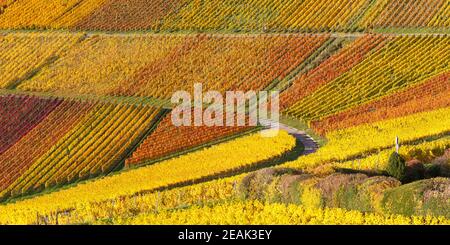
x=396 y=166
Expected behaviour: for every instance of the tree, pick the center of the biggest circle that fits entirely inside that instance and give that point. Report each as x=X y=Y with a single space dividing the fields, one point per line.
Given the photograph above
x=396 y=166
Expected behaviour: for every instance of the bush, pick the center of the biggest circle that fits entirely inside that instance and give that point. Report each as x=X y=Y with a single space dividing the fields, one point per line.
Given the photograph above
x=444 y=169
x=444 y=164
x=334 y=184
x=415 y=170
x=417 y=154
x=396 y=166
x=256 y=185
x=424 y=197
x=354 y=191
x=432 y=171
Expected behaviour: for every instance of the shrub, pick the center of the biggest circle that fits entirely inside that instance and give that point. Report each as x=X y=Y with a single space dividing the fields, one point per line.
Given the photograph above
x=291 y=187
x=424 y=197
x=432 y=171
x=444 y=169
x=374 y=189
x=415 y=170
x=444 y=164
x=255 y=185
x=332 y=185
x=396 y=166
x=418 y=154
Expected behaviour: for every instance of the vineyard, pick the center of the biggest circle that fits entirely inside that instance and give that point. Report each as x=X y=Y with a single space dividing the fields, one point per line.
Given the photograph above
x=260 y=214
x=403 y=62
x=409 y=13
x=86 y=112
x=23 y=55
x=426 y=96
x=250 y=151
x=20 y=115
x=168 y=139
x=228 y=15
x=223 y=63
